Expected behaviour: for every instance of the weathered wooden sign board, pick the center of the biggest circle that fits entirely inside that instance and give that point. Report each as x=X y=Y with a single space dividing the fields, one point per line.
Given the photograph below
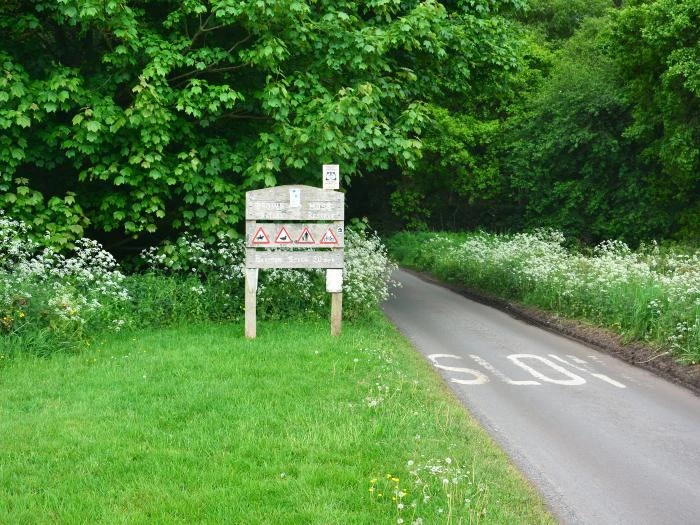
x=301 y=235
x=295 y=227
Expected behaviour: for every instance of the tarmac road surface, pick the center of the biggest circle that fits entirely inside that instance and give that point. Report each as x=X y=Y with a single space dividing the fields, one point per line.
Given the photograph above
x=603 y=441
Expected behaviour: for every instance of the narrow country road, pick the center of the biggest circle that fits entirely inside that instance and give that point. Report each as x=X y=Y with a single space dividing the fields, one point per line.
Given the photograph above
x=605 y=442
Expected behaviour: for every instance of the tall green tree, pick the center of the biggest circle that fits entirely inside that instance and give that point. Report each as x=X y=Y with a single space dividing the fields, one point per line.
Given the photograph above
x=489 y=165
x=139 y=115
x=558 y=20
x=455 y=179
x=569 y=163
x=607 y=145
x=656 y=46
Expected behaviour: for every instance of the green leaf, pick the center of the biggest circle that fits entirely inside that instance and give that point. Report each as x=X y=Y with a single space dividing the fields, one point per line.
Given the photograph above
x=23 y=120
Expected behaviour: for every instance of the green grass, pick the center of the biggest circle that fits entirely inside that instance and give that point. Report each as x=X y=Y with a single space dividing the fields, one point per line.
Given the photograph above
x=650 y=295
x=199 y=425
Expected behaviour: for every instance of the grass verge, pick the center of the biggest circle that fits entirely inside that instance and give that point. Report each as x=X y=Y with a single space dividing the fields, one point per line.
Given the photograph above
x=198 y=425
x=650 y=295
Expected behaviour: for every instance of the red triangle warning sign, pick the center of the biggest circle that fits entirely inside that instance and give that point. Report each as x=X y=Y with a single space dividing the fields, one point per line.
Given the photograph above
x=329 y=237
x=283 y=237
x=260 y=237
x=305 y=237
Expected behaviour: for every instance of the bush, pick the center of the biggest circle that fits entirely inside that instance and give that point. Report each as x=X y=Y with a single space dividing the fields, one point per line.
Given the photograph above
x=49 y=301
x=52 y=301
x=281 y=293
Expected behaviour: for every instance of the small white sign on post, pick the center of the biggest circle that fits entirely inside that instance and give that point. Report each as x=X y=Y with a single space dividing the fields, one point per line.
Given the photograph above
x=331 y=177
x=295 y=227
x=294 y=198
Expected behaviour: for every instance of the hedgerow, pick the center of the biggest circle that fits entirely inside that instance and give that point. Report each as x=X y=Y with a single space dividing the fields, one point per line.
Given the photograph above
x=651 y=294
x=62 y=301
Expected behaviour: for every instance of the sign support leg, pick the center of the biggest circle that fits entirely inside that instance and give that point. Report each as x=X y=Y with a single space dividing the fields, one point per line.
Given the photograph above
x=251 y=290
x=336 y=312
x=334 y=285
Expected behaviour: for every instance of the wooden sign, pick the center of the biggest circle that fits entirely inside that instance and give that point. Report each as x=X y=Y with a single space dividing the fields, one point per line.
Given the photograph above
x=295 y=235
x=293 y=259
x=295 y=227
x=294 y=203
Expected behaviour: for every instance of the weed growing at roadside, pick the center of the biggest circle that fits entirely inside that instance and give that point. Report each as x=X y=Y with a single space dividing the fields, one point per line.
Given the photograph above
x=282 y=293
x=368 y=270
x=649 y=294
x=50 y=301
x=434 y=487
x=424 y=487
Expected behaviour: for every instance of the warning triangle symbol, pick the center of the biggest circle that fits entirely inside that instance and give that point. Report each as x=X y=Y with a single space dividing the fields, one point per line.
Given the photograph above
x=329 y=237
x=283 y=237
x=261 y=237
x=305 y=237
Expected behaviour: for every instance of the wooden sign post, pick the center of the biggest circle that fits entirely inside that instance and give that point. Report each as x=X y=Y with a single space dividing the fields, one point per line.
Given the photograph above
x=295 y=227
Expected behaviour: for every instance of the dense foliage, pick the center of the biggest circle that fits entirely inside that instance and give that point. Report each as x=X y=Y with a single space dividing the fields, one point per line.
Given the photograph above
x=137 y=115
x=609 y=143
x=570 y=163
x=594 y=133
x=127 y=118
x=657 y=52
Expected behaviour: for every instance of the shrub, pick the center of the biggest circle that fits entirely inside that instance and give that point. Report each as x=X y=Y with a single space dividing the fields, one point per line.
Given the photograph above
x=51 y=300
x=281 y=293
x=48 y=300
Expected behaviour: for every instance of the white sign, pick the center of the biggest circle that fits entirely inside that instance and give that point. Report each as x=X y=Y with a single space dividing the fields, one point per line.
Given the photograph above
x=331 y=177
x=295 y=198
x=334 y=280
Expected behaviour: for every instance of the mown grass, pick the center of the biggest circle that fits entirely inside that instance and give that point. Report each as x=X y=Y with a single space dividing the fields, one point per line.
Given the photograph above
x=650 y=295
x=199 y=425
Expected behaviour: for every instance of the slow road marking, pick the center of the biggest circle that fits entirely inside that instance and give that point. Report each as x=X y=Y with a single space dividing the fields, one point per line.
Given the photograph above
x=541 y=369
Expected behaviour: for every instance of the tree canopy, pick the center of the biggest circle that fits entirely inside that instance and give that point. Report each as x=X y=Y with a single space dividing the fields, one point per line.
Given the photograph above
x=657 y=52
x=596 y=133
x=138 y=115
